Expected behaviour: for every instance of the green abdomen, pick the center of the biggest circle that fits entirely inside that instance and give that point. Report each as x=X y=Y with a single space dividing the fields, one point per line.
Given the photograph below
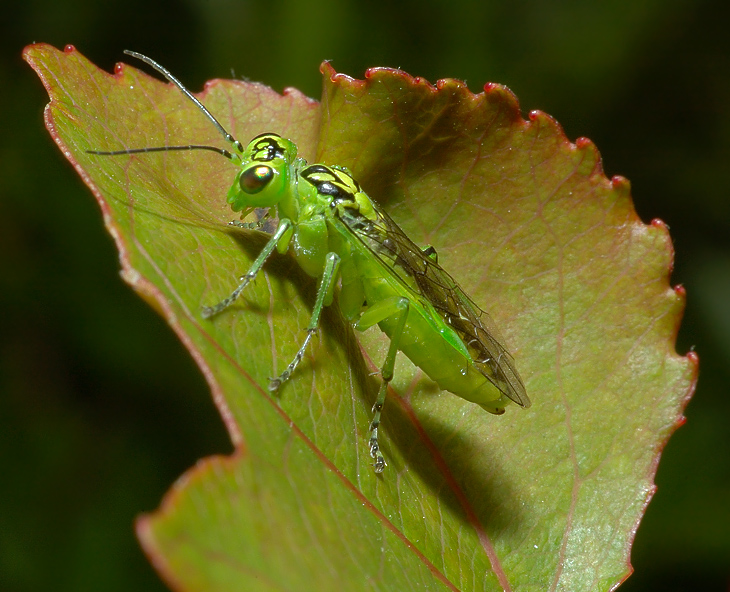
x=430 y=343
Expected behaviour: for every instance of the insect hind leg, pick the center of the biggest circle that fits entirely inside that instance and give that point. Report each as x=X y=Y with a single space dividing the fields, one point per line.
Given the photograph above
x=397 y=309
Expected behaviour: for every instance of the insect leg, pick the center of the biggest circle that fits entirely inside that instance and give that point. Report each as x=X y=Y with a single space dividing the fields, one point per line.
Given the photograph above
x=396 y=309
x=209 y=311
x=262 y=219
x=326 y=286
x=245 y=225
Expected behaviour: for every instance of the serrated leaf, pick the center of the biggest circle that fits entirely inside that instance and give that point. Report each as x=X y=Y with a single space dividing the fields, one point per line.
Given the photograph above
x=543 y=499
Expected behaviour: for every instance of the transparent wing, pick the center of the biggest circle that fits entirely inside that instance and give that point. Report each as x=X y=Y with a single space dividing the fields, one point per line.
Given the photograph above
x=385 y=239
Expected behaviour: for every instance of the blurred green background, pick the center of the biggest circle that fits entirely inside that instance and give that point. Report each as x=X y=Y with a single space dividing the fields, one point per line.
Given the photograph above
x=101 y=408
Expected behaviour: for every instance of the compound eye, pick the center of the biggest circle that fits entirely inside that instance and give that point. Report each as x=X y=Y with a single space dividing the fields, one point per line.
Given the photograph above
x=256 y=178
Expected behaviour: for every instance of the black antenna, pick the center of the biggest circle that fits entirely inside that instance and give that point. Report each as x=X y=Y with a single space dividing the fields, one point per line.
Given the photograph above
x=221 y=151
x=167 y=74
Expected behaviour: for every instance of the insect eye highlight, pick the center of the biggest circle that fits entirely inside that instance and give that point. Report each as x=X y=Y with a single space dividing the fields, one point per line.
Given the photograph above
x=256 y=178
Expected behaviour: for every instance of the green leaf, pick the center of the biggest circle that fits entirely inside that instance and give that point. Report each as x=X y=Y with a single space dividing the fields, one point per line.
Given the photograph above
x=540 y=499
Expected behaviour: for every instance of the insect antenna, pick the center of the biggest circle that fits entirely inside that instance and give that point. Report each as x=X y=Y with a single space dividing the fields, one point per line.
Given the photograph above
x=221 y=151
x=167 y=74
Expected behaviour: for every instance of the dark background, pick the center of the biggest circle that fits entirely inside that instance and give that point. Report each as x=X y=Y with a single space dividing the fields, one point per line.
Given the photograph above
x=100 y=406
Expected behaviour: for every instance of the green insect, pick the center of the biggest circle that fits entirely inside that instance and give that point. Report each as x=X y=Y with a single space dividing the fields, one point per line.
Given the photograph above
x=338 y=234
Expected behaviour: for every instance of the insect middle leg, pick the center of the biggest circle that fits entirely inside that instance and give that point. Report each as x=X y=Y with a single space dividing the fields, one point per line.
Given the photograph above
x=324 y=297
x=397 y=309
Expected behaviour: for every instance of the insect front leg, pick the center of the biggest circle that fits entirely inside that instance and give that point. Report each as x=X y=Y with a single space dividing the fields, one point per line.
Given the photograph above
x=324 y=296
x=209 y=311
x=397 y=309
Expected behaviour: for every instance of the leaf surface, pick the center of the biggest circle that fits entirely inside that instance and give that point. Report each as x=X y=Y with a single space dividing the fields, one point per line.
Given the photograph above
x=542 y=499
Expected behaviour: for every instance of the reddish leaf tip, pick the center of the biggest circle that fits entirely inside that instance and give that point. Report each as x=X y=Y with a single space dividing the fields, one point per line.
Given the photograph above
x=542 y=118
x=69 y=48
x=620 y=183
x=28 y=49
x=657 y=223
x=326 y=68
x=38 y=47
x=381 y=72
x=328 y=71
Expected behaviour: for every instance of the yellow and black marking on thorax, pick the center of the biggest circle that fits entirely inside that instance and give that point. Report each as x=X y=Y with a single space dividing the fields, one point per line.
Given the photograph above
x=352 y=206
x=334 y=182
x=267 y=147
